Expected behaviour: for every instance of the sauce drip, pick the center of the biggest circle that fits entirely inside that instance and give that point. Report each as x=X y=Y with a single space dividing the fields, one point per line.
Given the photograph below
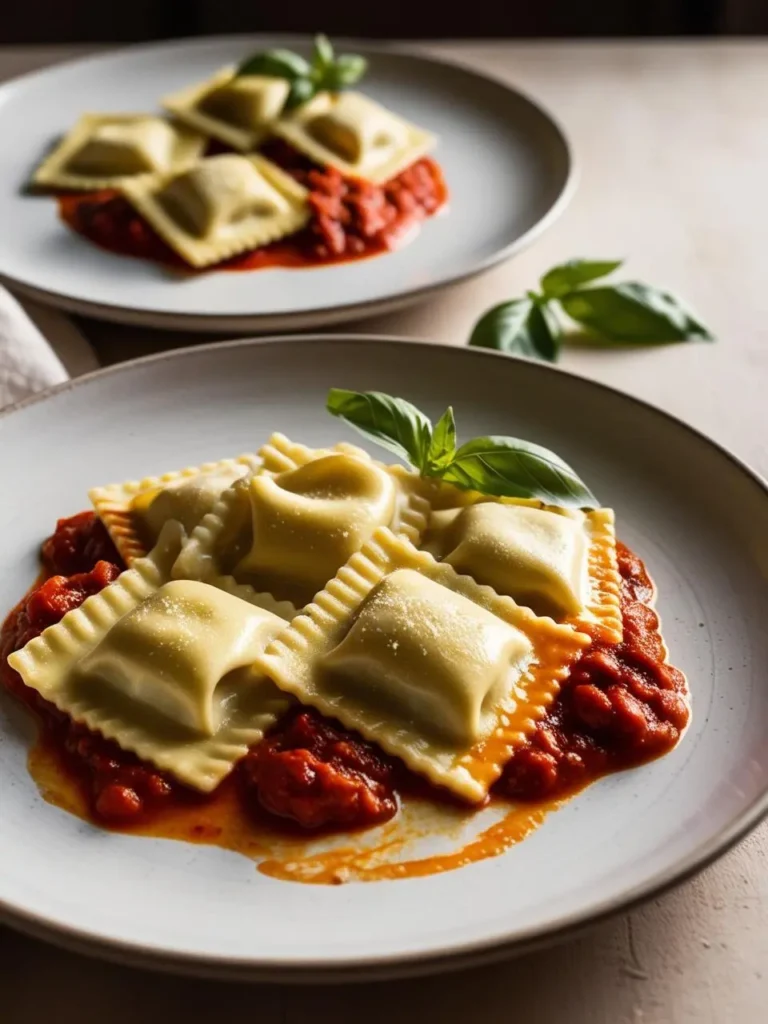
x=282 y=853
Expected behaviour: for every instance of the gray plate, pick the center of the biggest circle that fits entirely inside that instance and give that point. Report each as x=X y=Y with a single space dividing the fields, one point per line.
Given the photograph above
x=507 y=164
x=692 y=511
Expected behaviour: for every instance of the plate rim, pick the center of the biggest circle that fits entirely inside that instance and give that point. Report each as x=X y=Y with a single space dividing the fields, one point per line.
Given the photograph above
x=205 y=323
x=459 y=955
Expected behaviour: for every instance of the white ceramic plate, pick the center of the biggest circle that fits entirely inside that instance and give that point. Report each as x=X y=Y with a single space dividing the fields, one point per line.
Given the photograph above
x=507 y=165
x=691 y=510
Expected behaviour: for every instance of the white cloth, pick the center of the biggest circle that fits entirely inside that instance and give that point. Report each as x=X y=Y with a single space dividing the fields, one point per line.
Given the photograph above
x=39 y=347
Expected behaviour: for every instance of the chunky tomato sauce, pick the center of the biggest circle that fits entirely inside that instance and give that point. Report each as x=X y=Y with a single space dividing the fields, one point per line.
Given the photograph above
x=621 y=706
x=350 y=219
x=317 y=774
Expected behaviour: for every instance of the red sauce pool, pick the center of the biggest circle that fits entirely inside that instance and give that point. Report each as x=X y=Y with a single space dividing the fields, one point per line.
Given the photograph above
x=350 y=219
x=621 y=706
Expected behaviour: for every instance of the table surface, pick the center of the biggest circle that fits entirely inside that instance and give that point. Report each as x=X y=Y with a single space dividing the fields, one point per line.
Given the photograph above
x=672 y=142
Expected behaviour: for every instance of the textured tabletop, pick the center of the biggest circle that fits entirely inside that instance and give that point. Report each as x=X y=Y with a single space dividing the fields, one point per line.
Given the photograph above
x=672 y=146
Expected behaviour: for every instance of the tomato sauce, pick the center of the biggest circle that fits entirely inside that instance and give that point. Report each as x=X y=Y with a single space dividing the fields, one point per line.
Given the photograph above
x=622 y=705
x=320 y=775
x=350 y=219
x=77 y=544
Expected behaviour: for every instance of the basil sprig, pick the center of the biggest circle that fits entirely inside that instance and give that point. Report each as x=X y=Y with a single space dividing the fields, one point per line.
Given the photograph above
x=323 y=71
x=627 y=313
x=501 y=466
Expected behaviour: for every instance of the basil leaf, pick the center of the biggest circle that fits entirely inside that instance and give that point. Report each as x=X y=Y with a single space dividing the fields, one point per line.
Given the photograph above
x=301 y=91
x=508 y=467
x=393 y=423
x=322 y=53
x=276 y=63
x=633 y=313
x=522 y=327
x=545 y=333
x=571 y=275
x=345 y=71
x=443 y=445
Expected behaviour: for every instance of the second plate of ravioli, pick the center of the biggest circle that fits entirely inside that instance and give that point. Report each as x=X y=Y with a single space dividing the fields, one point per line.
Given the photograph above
x=506 y=163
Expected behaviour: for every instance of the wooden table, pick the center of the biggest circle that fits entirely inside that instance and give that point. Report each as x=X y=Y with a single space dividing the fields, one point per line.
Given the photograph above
x=672 y=141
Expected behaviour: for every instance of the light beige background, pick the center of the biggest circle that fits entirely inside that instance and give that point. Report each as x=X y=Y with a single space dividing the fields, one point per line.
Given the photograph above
x=672 y=142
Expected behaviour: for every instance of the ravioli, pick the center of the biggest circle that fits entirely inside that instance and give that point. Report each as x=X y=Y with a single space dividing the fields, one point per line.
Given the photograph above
x=288 y=528
x=430 y=665
x=238 y=111
x=559 y=562
x=106 y=150
x=162 y=668
x=135 y=511
x=471 y=652
x=222 y=206
x=356 y=135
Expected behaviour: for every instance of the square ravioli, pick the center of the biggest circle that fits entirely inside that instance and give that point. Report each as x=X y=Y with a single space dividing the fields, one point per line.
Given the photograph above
x=288 y=528
x=106 y=150
x=433 y=667
x=162 y=668
x=356 y=135
x=135 y=511
x=237 y=110
x=220 y=207
x=559 y=562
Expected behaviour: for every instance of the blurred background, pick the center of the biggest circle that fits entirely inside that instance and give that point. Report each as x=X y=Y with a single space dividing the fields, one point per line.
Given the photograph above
x=52 y=21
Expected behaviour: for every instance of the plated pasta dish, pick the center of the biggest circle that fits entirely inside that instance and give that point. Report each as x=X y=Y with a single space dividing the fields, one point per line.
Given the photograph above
x=273 y=162
x=299 y=644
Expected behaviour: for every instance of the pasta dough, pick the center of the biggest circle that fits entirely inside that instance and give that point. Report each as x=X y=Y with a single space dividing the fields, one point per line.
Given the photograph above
x=106 y=150
x=448 y=675
x=559 y=562
x=289 y=527
x=220 y=207
x=431 y=666
x=238 y=111
x=135 y=511
x=356 y=135
x=162 y=668
x=307 y=521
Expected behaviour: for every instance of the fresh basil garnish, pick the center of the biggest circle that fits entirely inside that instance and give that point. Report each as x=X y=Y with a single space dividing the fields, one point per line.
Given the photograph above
x=511 y=468
x=524 y=327
x=345 y=71
x=391 y=422
x=322 y=53
x=563 y=279
x=324 y=72
x=501 y=466
x=633 y=313
x=301 y=91
x=275 y=64
x=443 y=445
x=618 y=314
